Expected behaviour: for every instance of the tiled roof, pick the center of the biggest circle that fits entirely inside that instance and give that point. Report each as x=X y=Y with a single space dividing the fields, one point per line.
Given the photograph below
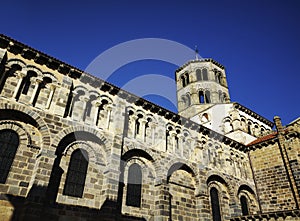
x=263 y=138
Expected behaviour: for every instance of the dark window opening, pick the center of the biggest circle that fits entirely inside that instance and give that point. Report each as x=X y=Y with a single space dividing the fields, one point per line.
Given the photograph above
x=27 y=82
x=218 y=78
x=215 y=204
x=244 y=204
x=249 y=128
x=205 y=74
x=76 y=174
x=207 y=97
x=134 y=186
x=187 y=77
x=188 y=100
x=137 y=126
x=199 y=75
x=201 y=97
x=183 y=81
x=9 y=143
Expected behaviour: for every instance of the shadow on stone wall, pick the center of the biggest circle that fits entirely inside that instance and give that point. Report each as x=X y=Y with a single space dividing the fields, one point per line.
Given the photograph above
x=35 y=207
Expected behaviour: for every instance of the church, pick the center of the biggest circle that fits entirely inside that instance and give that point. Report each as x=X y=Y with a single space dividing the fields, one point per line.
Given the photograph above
x=75 y=147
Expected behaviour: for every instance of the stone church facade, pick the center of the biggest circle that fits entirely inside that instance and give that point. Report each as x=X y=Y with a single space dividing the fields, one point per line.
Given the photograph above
x=74 y=147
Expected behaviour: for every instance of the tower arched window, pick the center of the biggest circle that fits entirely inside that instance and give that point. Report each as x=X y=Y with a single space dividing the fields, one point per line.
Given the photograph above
x=187 y=79
x=138 y=124
x=183 y=81
x=244 y=205
x=249 y=128
x=9 y=143
x=205 y=74
x=201 y=97
x=218 y=77
x=76 y=175
x=221 y=97
x=215 y=204
x=134 y=186
x=199 y=75
x=188 y=100
x=207 y=97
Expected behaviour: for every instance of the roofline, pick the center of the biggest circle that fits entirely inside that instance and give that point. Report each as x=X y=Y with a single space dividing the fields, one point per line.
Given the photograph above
x=201 y=60
x=41 y=58
x=253 y=114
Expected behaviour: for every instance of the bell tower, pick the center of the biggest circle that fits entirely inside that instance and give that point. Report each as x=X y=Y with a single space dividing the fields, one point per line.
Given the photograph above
x=201 y=83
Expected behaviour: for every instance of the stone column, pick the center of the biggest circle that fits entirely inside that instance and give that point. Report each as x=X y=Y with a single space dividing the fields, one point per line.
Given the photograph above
x=52 y=89
x=73 y=94
x=96 y=117
x=20 y=76
x=152 y=126
x=36 y=87
x=132 y=126
x=142 y=129
x=173 y=141
x=109 y=109
x=84 y=99
x=180 y=144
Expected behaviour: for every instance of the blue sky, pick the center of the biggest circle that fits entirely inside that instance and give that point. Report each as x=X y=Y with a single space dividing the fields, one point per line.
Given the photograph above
x=257 y=41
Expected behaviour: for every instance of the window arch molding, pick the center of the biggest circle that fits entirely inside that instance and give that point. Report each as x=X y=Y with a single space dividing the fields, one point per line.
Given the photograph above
x=75 y=177
x=249 y=196
x=94 y=155
x=96 y=158
x=146 y=170
x=19 y=129
x=23 y=142
x=13 y=61
x=202 y=74
x=218 y=183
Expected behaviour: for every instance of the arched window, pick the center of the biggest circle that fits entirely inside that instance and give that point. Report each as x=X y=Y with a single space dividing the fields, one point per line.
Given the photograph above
x=10 y=73
x=76 y=174
x=134 y=186
x=199 y=75
x=138 y=124
x=244 y=205
x=27 y=81
x=201 y=97
x=9 y=143
x=89 y=106
x=183 y=81
x=221 y=98
x=205 y=74
x=249 y=128
x=218 y=77
x=207 y=97
x=215 y=204
x=188 y=100
x=187 y=78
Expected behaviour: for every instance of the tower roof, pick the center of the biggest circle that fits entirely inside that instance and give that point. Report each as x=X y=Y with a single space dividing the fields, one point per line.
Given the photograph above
x=200 y=61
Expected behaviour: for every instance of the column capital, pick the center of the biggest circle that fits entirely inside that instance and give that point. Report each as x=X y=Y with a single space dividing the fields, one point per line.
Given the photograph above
x=84 y=98
x=38 y=80
x=21 y=74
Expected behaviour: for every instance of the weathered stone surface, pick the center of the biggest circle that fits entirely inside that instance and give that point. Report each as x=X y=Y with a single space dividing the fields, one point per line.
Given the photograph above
x=55 y=111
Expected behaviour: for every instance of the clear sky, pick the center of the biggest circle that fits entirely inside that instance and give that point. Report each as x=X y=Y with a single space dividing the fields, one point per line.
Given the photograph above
x=258 y=41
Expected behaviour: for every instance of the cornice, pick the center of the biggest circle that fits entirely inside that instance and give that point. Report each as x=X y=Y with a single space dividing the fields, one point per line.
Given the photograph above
x=200 y=61
x=252 y=114
x=41 y=58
